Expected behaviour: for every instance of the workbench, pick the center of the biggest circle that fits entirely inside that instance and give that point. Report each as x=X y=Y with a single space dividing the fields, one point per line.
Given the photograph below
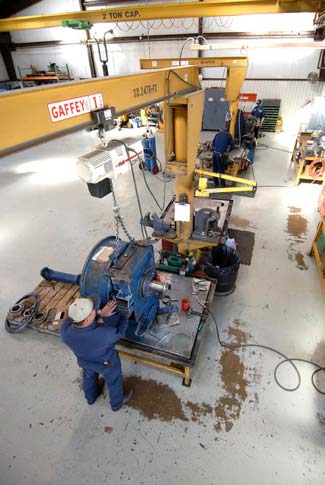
x=167 y=345
x=302 y=162
x=318 y=250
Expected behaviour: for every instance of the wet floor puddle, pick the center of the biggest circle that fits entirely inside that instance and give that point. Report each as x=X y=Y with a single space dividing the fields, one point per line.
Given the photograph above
x=297 y=231
x=158 y=401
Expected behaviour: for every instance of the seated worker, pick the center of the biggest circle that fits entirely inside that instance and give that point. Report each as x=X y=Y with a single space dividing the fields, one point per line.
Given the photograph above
x=259 y=113
x=91 y=336
x=222 y=143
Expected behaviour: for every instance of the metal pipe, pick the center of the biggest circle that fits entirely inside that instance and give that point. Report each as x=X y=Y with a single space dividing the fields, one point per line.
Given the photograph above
x=159 y=286
x=52 y=275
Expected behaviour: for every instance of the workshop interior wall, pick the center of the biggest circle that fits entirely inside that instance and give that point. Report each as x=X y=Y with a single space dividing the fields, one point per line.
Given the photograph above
x=55 y=33
x=294 y=63
x=3 y=70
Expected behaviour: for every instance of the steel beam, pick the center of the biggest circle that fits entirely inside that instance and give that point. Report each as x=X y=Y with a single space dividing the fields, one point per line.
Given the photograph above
x=235 y=62
x=25 y=114
x=211 y=8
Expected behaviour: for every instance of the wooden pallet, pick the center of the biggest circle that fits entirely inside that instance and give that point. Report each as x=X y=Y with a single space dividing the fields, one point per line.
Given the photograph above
x=55 y=298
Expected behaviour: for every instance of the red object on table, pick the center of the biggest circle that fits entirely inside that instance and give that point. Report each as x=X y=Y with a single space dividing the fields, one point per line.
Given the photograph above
x=185 y=304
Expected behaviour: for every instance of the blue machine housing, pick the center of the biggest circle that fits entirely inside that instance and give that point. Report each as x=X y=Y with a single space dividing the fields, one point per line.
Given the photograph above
x=124 y=274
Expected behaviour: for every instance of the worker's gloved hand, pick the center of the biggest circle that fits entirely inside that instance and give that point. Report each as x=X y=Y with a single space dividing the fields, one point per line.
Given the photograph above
x=109 y=309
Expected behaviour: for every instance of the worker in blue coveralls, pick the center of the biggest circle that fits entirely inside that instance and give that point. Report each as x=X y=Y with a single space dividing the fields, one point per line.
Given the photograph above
x=222 y=143
x=91 y=334
x=259 y=113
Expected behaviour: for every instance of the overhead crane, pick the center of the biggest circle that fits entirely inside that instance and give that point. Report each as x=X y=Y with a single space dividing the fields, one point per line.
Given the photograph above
x=210 y=8
x=41 y=113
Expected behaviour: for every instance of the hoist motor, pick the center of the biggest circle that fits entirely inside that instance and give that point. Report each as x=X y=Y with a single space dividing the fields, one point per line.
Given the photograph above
x=105 y=163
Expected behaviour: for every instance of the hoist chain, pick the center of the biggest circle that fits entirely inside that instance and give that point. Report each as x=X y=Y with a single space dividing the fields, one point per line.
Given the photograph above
x=119 y=221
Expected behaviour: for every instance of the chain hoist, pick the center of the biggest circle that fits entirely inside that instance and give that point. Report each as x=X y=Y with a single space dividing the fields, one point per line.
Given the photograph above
x=119 y=221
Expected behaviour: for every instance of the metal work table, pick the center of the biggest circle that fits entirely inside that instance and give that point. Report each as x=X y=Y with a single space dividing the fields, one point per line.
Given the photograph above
x=224 y=206
x=170 y=347
x=179 y=344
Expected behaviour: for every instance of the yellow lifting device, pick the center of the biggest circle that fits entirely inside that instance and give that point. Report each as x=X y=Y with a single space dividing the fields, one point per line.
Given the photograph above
x=236 y=73
x=203 y=190
x=41 y=113
x=212 y=8
x=27 y=116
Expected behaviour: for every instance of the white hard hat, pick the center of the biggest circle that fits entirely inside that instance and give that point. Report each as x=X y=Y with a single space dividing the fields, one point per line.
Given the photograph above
x=80 y=309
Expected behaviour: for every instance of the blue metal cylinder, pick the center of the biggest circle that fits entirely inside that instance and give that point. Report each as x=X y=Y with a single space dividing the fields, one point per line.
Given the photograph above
x=149 y=153
x=51 y=274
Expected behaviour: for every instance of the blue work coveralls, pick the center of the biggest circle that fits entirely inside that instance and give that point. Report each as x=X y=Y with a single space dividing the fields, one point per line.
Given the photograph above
x=94 y=347
x=220 y=144
x=259 y=114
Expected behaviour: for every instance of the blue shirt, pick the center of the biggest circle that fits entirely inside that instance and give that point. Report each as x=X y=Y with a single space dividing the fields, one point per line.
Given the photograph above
x=222 y=141
x=94 y=344
x=258 y=112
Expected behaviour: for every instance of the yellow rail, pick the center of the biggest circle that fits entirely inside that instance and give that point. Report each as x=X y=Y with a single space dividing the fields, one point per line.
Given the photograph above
x=163 y=11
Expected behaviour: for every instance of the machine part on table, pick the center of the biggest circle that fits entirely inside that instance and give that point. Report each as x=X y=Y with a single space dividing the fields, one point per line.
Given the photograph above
x=40 y=317
x=198 y=314
x=206 y=223
x=160 y=287
x=16 y=310
x=27 y=313
x=52 y=275
x=15 y=325
x=168 y=319
x=161 y=228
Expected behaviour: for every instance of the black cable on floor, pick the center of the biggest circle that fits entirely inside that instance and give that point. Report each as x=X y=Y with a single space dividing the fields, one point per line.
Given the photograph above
x=275 y=351
x=277 y=186
x=263 y=146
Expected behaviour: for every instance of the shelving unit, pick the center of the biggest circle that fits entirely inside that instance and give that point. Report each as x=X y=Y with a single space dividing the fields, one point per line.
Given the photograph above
x=302 y=162
x=272 y=110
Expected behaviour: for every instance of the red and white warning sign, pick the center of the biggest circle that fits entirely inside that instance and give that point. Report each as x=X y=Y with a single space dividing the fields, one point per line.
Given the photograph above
x=69 y=108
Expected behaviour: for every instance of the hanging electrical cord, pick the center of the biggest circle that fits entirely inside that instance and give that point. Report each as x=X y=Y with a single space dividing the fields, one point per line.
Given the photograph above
x=182 y=48
x=103 y=60
x=285 y=358
x=145 y=179
x=128 y=149
x=148 y=34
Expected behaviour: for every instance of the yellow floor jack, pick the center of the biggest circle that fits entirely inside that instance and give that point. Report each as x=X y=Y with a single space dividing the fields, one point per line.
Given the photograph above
x=247 y=187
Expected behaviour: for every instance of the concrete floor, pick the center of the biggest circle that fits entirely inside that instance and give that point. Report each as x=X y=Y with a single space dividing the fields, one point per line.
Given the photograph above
x=234 y=425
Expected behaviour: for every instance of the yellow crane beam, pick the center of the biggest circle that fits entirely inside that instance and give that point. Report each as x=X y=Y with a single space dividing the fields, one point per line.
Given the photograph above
x=161 y=63
x=42 y=113
x=236 y=73
x=163 y=11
